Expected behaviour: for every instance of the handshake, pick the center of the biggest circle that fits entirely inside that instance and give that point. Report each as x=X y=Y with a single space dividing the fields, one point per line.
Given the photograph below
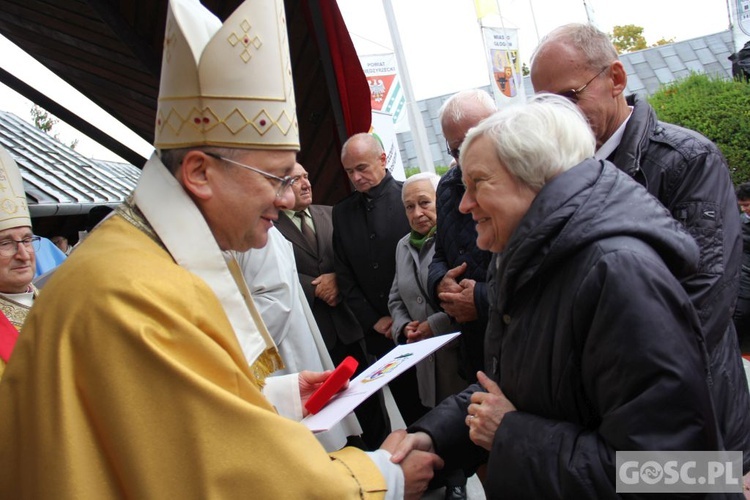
x=417 y=457
x=416 y=452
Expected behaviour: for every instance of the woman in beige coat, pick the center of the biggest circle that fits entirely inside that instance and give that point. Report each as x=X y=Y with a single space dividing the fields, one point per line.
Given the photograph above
x=414 y=317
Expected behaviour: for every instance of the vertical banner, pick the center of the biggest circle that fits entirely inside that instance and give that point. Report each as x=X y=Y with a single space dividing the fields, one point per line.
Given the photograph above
x=386 y=94
x=501 y=45
x=739 y=13
x=383 y=129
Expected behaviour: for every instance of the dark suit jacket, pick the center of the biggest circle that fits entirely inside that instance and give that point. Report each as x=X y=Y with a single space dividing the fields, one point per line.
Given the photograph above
x=367 y=228
x=336 y=323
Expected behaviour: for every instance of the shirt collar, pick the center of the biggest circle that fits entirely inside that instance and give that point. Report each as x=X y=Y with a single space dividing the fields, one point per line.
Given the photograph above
x=292 y=213
x=25 y=298
x=609 y=147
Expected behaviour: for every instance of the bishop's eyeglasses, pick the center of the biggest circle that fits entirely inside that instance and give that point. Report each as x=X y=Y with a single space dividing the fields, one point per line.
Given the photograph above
x=9 y=247
x=284 y=182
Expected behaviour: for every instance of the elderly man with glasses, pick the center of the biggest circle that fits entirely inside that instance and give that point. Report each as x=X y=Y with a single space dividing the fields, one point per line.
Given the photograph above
x=146 y=351
x=18 y=247
x=690 y=177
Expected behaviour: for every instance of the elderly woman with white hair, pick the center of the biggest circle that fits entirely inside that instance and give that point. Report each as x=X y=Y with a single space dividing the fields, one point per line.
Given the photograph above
x=414 y=317
x=592 y=346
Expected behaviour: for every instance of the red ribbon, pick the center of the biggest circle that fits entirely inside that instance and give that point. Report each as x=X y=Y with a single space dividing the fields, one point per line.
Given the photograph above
x=8 y=337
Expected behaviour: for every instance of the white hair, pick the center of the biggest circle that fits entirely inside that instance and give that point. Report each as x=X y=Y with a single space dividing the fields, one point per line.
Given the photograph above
x=422 y=176
x=537 y=140
x=454 y=109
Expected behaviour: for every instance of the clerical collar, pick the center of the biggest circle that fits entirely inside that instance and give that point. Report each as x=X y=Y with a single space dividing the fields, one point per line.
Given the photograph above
x=609 y=147
x=185 y=234
x=25 y=298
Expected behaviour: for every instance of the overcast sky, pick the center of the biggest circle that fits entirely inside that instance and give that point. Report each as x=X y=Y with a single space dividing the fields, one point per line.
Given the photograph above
x=441 y=40
x=443 y=45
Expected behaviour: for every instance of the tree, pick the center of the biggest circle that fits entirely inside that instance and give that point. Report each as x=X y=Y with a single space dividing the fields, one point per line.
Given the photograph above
x=45 y=122
x=628 y=38
x=718 y=109
x=663 y=41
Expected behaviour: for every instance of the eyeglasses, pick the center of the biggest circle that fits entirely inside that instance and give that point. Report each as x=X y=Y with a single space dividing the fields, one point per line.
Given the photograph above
x=455 y=153
x=572 y=94
x=284 y=182
x=9 y=247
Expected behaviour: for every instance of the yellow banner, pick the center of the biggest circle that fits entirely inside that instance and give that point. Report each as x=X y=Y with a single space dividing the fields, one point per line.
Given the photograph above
x=485 y=8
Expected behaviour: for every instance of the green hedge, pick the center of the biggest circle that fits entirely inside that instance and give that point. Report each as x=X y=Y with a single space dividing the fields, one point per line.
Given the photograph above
x=718 y=109
x=409 y=171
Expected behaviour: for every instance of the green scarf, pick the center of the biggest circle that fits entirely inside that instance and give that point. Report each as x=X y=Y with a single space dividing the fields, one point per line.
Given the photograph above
x=417 y=240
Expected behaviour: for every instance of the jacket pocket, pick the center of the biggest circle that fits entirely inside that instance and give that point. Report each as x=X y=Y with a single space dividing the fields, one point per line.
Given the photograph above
x=703 y=222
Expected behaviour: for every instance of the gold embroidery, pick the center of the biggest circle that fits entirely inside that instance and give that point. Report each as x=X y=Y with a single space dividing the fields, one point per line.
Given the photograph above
x=245 y=40
x=270 y=360
x=15 y=311
x=265 y=365
x=235 y=121
x=133 y=215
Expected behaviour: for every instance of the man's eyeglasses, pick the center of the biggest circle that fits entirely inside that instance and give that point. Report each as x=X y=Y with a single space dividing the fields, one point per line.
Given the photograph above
x=572 y=94
x=284 y=182
x=455 y=153
x=9 y=247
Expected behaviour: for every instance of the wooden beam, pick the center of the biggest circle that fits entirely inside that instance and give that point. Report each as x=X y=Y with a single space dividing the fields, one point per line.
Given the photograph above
x=140 y=48
x=72 y=119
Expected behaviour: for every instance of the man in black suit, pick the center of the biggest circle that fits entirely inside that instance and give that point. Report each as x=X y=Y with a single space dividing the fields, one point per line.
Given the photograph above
x=366 y=228
x=309 y=229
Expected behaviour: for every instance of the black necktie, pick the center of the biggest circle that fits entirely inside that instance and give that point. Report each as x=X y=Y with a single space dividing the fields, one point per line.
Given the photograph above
x=307 y=232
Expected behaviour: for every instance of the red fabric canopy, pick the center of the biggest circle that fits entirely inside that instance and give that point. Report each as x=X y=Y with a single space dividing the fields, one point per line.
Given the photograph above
x=354 y=92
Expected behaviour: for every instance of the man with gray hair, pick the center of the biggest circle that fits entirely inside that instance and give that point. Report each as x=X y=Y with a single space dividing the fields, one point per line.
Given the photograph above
x=458 y=271
x=686 y=172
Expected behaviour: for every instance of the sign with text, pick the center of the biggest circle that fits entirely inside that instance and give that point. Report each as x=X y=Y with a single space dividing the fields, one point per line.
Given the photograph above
x=739 y=17
x=386 y=94
x=678 y=472
x=501 y=45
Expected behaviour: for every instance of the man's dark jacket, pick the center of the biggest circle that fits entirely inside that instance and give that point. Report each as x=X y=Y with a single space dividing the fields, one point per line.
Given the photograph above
x=456 y=243
x=689 y=175
x=592 y=339
x=366 y=229
x=742 y=310
x=336 y=323
x=745 y=271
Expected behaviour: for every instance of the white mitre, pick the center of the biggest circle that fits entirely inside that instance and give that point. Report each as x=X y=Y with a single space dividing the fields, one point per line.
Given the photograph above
x=226 y=85
x=14 y=211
